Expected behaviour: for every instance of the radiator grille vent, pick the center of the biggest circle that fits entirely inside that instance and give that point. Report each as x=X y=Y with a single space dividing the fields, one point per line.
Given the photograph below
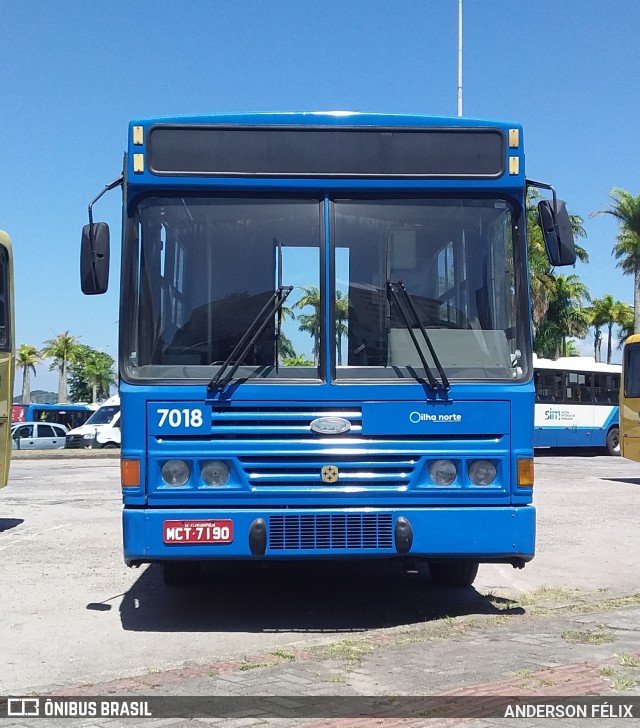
x=331 y=532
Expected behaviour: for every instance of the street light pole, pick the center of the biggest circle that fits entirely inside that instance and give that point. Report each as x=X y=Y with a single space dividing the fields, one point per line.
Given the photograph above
x=459 y=57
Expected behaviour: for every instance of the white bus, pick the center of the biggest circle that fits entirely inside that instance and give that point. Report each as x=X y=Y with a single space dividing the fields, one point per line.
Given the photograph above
x=576 y=403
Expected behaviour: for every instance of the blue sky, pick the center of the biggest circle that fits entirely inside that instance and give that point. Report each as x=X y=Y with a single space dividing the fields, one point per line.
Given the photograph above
x=73 y=74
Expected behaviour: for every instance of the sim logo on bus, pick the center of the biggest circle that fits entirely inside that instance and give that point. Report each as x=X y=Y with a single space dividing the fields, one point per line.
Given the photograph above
x=555 y=415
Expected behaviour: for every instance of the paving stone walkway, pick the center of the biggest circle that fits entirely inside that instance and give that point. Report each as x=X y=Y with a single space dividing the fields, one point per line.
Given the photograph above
x=448 y=672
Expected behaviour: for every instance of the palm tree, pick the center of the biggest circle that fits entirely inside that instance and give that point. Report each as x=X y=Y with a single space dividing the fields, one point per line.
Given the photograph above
x=596 y=320
x=625 y=322
x=625 y=208
x=310 y=322
x=606 y=311
x=62 y=349
x=27 y=357
x=565 y=316
x=98 y=372
x=342 y=317
x=541 y=272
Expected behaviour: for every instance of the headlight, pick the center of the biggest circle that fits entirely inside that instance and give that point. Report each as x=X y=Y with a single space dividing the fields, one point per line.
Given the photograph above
x=89 y=436
x=175 y=472
x=442 y=472
x=215 y=472
x=482 y=472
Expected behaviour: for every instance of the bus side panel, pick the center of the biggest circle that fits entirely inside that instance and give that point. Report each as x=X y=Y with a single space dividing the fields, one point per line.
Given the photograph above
x=6 y=393
x=630 y=428
x=573 y=425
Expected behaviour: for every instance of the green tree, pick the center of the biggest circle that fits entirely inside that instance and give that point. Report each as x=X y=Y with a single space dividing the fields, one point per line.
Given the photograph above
x=625 y=322
x=606 y=311
x=625 y=208
x=541 y=273
x=27 y=357
x=62 y=350
x=565 y=316
x=296 y=361
x=91 y=374
x=310 y=322
x=342 y=316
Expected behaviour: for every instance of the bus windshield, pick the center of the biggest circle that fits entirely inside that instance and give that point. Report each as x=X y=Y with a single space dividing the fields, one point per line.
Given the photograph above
x=104 y=415
x=202 y=269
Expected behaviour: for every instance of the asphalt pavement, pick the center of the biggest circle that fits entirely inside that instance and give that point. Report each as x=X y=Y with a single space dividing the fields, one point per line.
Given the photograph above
x=321 y=648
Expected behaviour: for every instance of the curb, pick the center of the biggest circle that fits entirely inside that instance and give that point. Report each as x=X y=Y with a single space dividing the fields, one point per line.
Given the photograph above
x=64 y=454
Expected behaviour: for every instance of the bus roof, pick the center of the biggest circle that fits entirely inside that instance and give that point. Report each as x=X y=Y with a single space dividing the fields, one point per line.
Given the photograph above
x=330 y=118
x=575 y=364
x=5 y=239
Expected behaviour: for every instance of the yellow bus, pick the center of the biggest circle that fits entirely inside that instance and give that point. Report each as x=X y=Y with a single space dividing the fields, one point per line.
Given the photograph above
x=7 y=353
x=630 y=399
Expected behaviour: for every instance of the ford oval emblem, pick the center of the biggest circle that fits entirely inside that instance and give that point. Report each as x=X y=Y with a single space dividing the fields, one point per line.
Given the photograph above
x=330 y=425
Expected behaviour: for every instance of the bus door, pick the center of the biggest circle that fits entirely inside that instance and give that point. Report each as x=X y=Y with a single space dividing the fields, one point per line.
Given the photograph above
x=6 y=358
x=630 y=400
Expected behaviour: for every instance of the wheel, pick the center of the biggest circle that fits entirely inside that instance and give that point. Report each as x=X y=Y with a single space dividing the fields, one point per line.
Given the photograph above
x=180 y=573
x=613 y=441
x=110 y=446
x=453 y=572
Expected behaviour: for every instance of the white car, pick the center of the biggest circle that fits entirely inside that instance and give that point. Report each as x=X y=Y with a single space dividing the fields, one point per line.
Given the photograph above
x=38 y=436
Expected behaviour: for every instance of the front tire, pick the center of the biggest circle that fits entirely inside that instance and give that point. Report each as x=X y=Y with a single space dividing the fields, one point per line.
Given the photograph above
x=613 y=441
x=453 y=572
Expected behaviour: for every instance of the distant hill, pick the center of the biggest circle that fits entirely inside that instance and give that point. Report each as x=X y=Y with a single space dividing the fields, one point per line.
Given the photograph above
x=39 y=396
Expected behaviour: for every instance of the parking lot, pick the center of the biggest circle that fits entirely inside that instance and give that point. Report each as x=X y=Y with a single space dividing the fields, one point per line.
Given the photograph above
x=74 y=614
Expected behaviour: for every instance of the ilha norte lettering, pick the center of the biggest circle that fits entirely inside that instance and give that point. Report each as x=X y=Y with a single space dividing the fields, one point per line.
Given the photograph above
x=416 y=417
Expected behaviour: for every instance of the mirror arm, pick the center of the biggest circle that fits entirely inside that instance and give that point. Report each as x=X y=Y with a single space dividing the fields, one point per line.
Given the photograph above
x=116 y=183
x=543 y=186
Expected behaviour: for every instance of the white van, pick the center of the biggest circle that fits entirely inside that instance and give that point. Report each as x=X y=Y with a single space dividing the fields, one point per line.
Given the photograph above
x=102 y=429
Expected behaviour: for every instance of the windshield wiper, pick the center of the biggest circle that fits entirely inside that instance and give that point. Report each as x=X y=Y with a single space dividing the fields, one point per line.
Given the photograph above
x=403 y=301
x=249 y=338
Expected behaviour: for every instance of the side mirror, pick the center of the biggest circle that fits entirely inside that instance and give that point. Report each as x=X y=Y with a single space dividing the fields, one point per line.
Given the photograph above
x=94 y=258
x=557 y=232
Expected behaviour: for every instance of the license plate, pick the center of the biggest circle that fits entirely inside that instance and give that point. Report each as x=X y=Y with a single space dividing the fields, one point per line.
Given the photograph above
x=198 y=531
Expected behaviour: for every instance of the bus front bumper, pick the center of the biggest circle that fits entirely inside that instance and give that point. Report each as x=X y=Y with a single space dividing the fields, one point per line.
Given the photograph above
x=486 y=534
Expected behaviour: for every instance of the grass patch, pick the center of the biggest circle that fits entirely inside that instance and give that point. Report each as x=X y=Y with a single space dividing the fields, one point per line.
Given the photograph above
x=584 y=607
x=523 y=674
x=587 y=638
x=608 y=673
x=348 y=650
x=550 y=594
x=623 y=683
x=284 y=655
x=627 y=660
x=252 y=666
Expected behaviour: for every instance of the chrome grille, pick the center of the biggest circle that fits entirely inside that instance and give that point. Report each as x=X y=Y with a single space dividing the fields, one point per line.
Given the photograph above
x=282 y=422
x=331 y=532
x=384 y=470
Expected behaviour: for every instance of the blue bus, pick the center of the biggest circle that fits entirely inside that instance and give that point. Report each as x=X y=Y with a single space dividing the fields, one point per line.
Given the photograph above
x=577 y=403
x=325 y=340
x=69 y=415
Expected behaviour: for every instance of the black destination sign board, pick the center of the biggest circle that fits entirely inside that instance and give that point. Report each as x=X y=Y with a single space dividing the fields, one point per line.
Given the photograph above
x=277 y=151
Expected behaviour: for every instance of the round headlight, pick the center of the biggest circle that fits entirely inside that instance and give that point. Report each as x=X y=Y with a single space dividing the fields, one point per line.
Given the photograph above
x=482 y=472
x=442 y=472
x=175 y=472
x=215 y=472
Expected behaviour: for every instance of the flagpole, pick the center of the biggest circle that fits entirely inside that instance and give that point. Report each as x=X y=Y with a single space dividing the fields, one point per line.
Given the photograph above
x=459 y=57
